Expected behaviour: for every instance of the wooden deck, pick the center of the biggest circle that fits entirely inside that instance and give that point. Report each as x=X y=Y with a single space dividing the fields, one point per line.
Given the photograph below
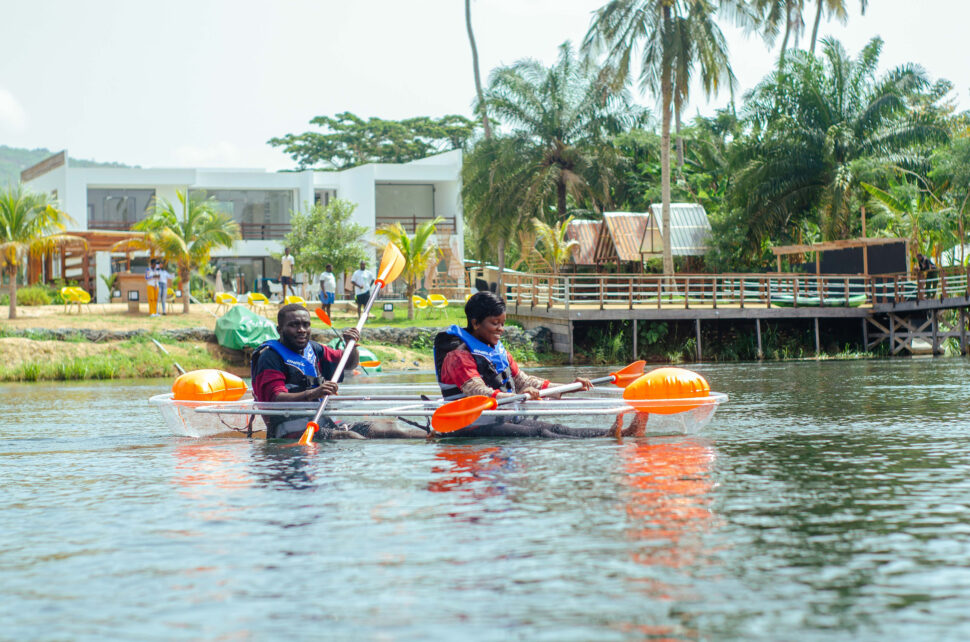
x=897 y=308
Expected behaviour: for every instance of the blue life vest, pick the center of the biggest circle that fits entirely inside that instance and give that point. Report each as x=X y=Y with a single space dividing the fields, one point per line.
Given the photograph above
x=492 y=362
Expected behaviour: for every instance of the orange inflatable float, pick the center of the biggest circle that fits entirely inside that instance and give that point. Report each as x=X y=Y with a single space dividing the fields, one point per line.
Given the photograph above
x=208 y=385
x=673 y=385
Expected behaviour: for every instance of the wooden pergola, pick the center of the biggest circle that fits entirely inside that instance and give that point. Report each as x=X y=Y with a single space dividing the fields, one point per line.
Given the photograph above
x=97 y=241
x=844 y=244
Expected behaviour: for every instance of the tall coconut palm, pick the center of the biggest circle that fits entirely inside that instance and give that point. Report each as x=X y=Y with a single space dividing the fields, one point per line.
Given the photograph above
x=478 y=76
x=187 y=235
x=29 y=225
x=821 y=126
x=674 y=37
x=835 y=8
x=554 y=248
x=418 y=251
x=561 y=116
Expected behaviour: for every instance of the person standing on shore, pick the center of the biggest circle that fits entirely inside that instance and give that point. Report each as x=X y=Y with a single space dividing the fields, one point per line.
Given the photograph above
x=286 y=271
x=328 y=288
x=362 y=280
x=164 y=278
x=151 y=276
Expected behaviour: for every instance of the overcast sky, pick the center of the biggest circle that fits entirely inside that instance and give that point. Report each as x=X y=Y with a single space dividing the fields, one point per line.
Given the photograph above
x=208 y=82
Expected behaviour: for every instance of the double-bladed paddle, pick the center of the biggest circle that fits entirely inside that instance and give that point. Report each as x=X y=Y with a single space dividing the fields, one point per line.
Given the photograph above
x=460 y=413
x=392 y=264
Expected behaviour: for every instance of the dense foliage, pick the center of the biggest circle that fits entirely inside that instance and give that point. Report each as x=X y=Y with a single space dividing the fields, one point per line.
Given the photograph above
x=323 y=235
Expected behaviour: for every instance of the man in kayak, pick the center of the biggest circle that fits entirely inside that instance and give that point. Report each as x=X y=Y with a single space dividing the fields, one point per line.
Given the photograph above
x=472 y=361
x=296 y=368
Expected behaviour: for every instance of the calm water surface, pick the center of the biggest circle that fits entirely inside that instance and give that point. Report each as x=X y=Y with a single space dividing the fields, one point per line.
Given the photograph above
x=824 y=501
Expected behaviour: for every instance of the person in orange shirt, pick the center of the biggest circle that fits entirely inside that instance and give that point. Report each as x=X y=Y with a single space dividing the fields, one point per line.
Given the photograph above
x=151 y=275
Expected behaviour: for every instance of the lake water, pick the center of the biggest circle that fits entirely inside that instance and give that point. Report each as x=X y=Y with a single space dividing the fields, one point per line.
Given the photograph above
x=825 y=501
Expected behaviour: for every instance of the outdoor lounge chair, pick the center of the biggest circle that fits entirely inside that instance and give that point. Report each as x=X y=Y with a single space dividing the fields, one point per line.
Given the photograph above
x=74 y=295
x=225 y=301
x=294 y=299
x=257 y=302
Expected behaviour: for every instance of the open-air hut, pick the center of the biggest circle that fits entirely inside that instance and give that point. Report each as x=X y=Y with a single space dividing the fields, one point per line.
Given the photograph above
x=690 y=231
x=585 y=234
x=618 y=240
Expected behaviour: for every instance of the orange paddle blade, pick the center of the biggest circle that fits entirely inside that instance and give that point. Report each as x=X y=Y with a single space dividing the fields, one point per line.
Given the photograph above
x=369 y=364
x=392 y=264
x=628 y=375
x=323 y=316
x=457 y=414
x=307 y=437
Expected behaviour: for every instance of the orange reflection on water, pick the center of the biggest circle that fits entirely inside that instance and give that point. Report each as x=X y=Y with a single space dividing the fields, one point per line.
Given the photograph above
x=468 y=465
x=210 y=465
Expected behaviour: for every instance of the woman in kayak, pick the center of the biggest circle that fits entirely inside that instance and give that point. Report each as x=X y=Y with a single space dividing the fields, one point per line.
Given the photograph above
x=472 y=361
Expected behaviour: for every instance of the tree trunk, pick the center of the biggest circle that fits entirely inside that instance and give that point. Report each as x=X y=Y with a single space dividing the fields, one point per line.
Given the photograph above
x=818 y=18
x=12 y=272
x=408 y=293
x=680 y=141
x=501 y=265
x=478 y=77
x=784 y=42
x=666 y=91
x=561 y=199
x=186 y=290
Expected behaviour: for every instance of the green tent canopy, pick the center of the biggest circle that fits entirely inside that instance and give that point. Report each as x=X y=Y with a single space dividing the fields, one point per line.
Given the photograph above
x=241 y=328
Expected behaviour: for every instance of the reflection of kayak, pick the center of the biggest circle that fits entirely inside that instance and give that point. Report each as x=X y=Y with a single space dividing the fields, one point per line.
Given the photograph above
x=207 y=418
x=788 y=301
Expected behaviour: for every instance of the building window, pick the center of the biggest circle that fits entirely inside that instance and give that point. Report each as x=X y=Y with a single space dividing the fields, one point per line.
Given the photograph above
x=118 y=209
x=409 y=205
x=322 y=197
x=261 y=214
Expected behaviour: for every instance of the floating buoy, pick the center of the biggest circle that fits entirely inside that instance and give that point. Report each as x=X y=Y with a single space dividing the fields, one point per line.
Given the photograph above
x=208 y=385
x=667 y=384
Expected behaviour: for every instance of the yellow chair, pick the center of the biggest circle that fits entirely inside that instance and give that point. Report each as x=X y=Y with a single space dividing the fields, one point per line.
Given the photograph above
x=169 y=295
x=439 y=301
x=225 y=301
x=468 y=295
x=257 y=302
x=420 y=303
x=74 y=295
x=294 y=299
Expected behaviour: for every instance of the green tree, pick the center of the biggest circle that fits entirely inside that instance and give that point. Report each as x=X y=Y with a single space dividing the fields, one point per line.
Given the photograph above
x=554 y=248
x=835 y=8
x=28 y=226
x=349 y=141
x=323 y=235
x=187 y=238
x=562 y=118
x=820 y=126
x=674 y=37
x=418 y=251
x=486 y=127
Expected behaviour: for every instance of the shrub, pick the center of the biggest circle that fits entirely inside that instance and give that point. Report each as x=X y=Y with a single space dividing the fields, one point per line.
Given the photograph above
x=33 y=295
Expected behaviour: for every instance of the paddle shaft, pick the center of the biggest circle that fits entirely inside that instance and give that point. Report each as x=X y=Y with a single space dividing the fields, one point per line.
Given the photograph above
x=555 y=390
x=162 y=348
x=336 y=334
x=348 y=348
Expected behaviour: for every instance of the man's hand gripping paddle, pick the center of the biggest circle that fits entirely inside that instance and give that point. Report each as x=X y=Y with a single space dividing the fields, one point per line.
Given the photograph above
x=323 y=316
x=457 y=414
x=392 y=264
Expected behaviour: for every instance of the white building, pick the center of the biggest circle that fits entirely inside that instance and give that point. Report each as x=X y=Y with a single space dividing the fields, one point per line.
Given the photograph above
x=113 y=199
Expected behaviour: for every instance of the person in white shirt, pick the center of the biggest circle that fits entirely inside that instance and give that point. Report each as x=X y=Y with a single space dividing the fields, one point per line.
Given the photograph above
x=362 y=280
x=328 y=288
x=151 y=276
x=286 y=271
x=164 y=277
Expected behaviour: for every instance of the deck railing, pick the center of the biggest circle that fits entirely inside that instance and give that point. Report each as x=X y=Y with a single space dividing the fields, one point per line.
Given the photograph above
x=637 y=291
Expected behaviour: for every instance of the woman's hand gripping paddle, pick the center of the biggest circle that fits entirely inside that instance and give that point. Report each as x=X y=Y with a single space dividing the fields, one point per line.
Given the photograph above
x=463 y=412
x=392 y=264
x=323 y=316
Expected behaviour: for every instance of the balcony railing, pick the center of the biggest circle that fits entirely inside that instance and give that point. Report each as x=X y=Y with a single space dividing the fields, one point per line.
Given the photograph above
x=263 y=231
x=410 y=224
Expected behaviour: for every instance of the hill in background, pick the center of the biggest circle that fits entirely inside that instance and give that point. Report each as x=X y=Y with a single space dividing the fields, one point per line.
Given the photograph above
x=15 y=159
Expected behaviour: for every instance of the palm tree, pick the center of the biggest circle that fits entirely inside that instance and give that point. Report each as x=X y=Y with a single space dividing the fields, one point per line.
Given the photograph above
x=478 y=76
x=674 y=37
x=418 y=251
x=561 y=117
x=555 y=247
x=187 y=239
x=835 y=8
x=818 y=128
x=28 y=226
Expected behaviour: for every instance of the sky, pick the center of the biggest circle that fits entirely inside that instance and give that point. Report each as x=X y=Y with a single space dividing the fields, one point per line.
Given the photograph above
x=205 y=83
